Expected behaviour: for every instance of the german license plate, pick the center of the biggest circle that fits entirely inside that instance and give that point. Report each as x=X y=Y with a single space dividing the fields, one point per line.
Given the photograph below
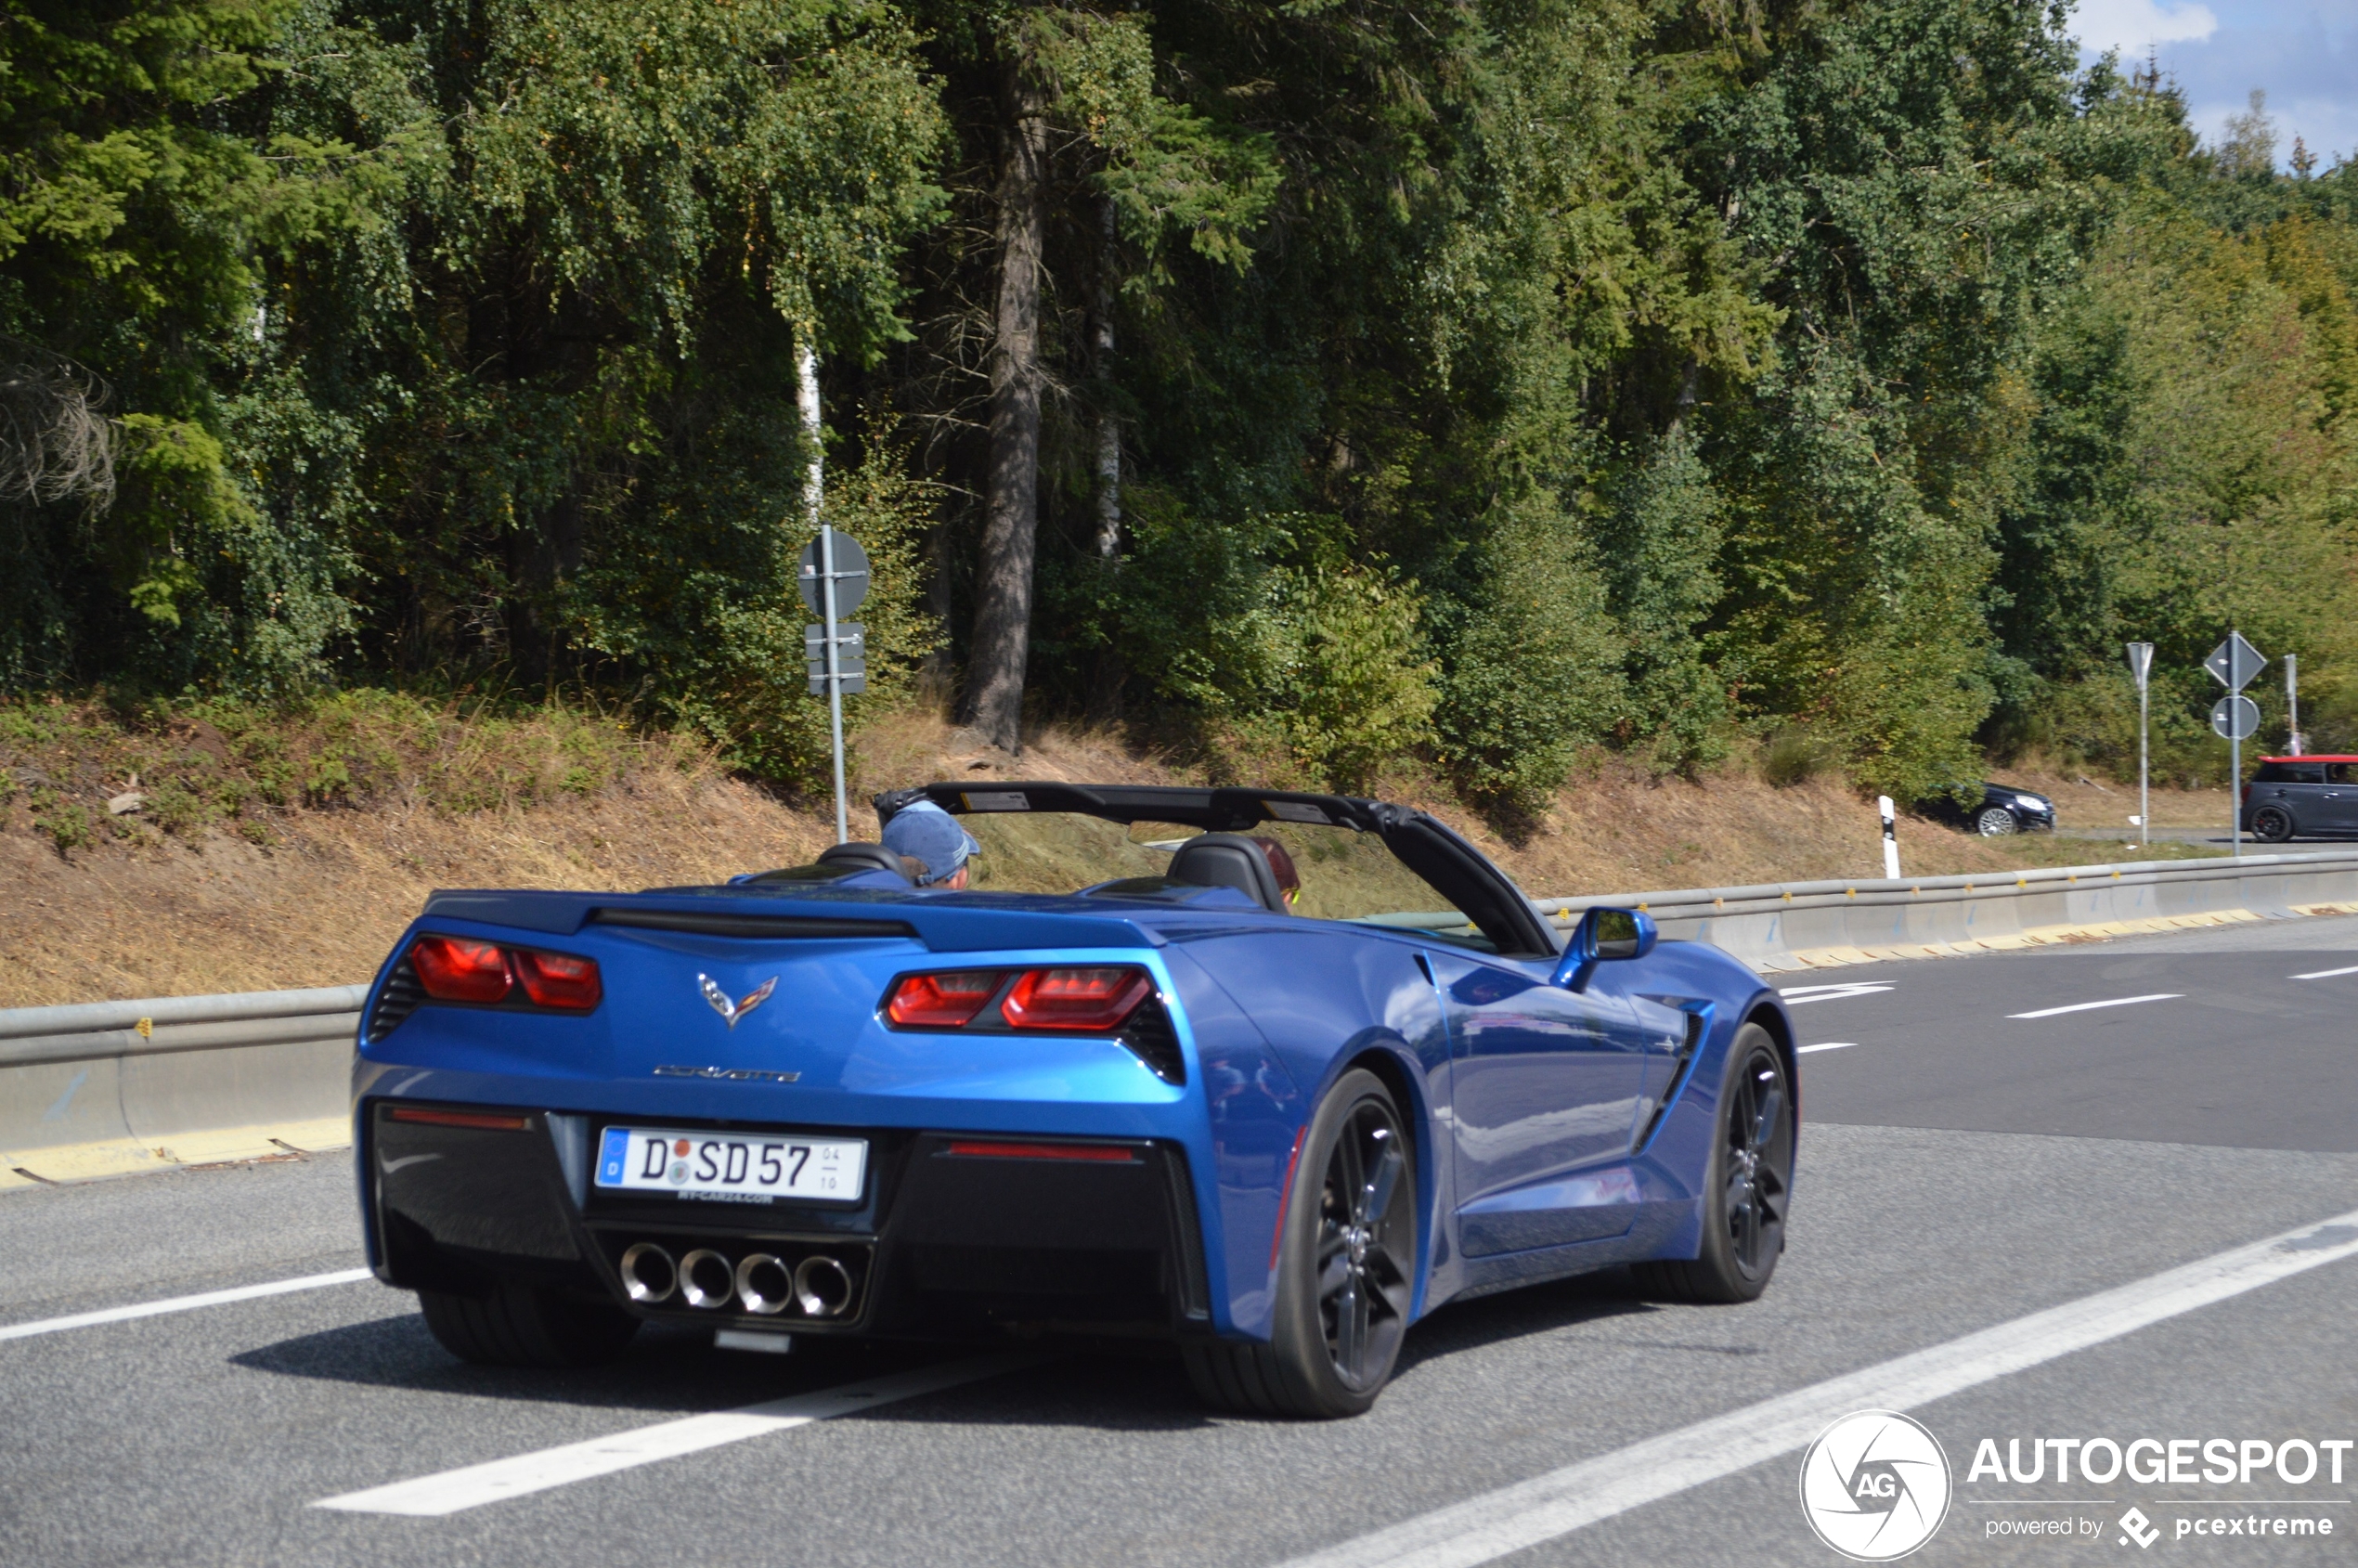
x=733 y=1167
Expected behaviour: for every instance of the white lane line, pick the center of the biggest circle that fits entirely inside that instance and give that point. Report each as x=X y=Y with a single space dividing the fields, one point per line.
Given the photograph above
x=455 y=1490
x=2326 y=974
x=2092 y=1006
x=1802 y=995
x=1485 y=1528
x=184 y=1303
x=1829 y=1046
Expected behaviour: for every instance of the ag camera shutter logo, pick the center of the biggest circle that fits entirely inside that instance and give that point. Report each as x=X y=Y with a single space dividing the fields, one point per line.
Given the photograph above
x=1875 y=1486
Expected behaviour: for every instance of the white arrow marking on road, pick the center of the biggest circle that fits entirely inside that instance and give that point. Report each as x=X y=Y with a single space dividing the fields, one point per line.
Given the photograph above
x=2092 y=1006
x=1829 y=1046
x=2326 y=974
x=184 y=1303
x=455 y=1490
x=1495 y=1525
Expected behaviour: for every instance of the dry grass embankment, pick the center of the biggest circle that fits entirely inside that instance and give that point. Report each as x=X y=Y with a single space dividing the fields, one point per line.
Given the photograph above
x=291 y=852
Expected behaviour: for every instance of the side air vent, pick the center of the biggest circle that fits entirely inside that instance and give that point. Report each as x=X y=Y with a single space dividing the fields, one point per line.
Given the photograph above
x=759 y=926
x=1698 y=1025
x=397 y=1000
x=1149 y=1036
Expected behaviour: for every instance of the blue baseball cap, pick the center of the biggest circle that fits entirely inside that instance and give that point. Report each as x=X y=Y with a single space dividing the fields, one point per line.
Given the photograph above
x=928 y=835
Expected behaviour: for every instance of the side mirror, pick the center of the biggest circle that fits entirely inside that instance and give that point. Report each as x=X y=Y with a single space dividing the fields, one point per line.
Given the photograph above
x=1604 y=936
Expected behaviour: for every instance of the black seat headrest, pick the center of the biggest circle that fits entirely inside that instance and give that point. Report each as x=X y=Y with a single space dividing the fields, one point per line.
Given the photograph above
x=862 y=857
x=1228 y=859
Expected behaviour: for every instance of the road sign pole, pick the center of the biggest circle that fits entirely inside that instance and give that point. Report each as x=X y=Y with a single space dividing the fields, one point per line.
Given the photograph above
x=2140 y=665
x=2236 y=776
x=2292 y=704
x=835 y=676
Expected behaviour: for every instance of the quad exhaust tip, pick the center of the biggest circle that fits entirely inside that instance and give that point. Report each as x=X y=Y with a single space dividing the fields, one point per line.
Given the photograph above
x=763 y=1283
x=648 y=1273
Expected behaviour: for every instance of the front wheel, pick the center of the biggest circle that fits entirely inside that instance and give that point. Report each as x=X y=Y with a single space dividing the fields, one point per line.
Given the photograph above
x=1747 y=1188
x=2271 y=824
x=1346 y=1269
x=1995 y=822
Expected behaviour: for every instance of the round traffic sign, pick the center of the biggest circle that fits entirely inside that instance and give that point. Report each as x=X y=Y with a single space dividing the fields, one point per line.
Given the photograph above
x=851 y=575
x=2234 y=719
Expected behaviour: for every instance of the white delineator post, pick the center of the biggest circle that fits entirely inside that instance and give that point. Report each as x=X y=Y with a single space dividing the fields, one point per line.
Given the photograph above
x=1890 y=839
x=2140 y=665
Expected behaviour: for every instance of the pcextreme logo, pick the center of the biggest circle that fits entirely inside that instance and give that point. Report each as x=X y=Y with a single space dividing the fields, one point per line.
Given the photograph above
x=1875 y=1486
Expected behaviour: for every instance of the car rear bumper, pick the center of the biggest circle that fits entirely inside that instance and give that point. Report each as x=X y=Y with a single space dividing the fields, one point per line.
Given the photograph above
x=955 y=1235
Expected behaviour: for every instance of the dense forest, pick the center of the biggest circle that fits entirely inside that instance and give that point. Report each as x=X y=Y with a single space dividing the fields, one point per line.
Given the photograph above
x=1332 y=380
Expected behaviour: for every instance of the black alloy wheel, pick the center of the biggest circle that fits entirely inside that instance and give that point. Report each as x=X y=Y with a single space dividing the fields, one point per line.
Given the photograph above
x=2271 y=824
x=1748 y=1189
x=1995 y=822
x=1346 y=1269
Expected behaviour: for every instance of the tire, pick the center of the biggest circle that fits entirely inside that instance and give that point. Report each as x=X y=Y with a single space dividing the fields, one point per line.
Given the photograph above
x=2271 y=824
x=1995 y=822
x=517 y=1325
x=1346 y=1270
x=1747 y=1188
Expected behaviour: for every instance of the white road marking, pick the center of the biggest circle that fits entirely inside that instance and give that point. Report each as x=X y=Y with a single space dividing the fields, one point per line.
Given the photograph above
x=184 y=1303
x=2092 y=1006
x=1801 y=995
x=455 y=1490
x=1485 y=1528
x=2326 y=974
x=1829 y=1046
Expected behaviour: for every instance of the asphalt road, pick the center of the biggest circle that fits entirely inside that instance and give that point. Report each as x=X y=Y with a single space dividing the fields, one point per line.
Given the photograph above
x=1962 y=1168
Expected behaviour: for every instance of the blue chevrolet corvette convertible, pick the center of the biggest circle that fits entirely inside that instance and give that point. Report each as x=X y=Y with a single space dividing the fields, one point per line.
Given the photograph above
x=1126 y=1083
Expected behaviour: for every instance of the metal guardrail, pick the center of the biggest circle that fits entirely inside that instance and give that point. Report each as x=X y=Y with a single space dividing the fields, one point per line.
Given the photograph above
x=104 y=1087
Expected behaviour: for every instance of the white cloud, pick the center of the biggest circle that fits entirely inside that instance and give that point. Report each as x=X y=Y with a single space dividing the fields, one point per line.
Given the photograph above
x=2133 y=26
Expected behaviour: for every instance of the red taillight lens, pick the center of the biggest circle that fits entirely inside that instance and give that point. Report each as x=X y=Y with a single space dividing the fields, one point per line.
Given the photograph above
x=1096 y=1000
x=557 y=979
x=453 y=969
x=941 y=1000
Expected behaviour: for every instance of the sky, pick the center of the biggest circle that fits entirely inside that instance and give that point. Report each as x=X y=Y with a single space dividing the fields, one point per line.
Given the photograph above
x=2304 y=54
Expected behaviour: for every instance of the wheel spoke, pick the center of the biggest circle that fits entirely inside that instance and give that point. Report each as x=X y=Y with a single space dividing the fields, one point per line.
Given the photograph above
x=1351 y=1326
x=1770 y=1120
x=1378 y=1192
x=1334 y=1277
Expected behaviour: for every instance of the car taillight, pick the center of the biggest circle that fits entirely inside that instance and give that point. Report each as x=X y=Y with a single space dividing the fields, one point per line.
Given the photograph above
x=557 y=979
x=1092 y=1000
x=948 y=1001
x=453 y=969
x=457 y=969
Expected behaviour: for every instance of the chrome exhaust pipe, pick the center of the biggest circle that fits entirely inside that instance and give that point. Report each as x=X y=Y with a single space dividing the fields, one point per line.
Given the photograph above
x=648 y=1274
x=764 y=1284
x=706 y=1278
x=821 y=1285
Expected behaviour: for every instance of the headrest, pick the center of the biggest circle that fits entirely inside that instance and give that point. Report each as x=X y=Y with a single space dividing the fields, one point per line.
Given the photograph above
x=1228 y=859
x=862 y=857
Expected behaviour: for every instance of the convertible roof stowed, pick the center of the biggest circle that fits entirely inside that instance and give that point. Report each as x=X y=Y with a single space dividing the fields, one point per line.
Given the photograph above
x=1424 y=844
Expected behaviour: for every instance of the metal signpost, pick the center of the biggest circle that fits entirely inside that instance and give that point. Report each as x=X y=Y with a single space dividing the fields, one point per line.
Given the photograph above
x=2233 y=716
x=834 y=579
x=2141 y=666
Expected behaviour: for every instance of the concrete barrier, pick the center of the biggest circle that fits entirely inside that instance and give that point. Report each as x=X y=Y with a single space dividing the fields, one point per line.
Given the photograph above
x=109 y=1088
x=112 y=1087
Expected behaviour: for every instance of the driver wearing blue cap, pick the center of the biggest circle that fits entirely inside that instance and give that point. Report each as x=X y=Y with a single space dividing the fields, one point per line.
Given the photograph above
x=931 y=845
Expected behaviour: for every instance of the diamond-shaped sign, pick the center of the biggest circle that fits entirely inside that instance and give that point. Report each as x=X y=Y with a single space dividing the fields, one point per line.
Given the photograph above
x=2235 y=662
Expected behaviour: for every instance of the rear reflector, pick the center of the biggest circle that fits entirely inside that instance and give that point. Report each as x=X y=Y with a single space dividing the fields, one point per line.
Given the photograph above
x=1096 y=1001
x=1098 y=1153
x=482 y=1121
x=454 y=969
x=948 y=1001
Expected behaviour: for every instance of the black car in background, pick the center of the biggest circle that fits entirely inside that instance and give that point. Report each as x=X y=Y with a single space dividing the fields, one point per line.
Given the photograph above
x=2302 y=798
x=2001 y=809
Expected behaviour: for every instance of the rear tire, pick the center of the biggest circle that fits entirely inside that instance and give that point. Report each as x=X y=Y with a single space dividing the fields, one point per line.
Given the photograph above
x=518 y=1326
x=1346 y=1270
x=2271 y=824
x=1747 y=1187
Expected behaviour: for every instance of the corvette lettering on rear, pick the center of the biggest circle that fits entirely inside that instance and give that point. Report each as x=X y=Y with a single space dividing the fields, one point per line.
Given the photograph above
x=734 y=1074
